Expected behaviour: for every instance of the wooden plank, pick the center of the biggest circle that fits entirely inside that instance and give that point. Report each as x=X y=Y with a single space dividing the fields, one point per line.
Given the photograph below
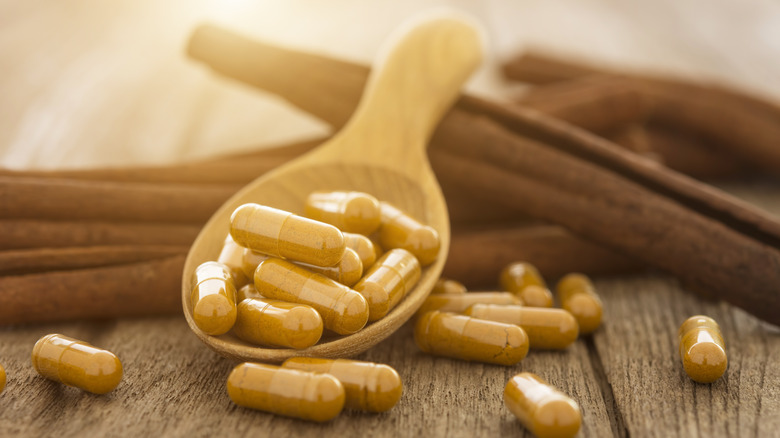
x=638 y=347
x=175 y=385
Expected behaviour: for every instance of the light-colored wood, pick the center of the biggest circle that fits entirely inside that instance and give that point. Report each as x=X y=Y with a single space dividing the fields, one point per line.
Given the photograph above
x=381 y=151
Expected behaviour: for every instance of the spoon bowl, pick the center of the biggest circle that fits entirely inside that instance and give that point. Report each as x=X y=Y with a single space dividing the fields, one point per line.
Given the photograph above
x=381 y=151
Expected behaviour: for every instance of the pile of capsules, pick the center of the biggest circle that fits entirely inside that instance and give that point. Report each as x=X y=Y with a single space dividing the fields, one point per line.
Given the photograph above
x=281 y=279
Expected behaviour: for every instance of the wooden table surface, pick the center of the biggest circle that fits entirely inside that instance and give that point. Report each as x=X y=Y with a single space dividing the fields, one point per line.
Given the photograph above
x=85 y=83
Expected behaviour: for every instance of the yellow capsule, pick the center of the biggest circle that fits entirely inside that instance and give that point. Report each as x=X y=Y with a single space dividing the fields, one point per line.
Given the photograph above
x=353 y=212
x=536 y=296
x=248 y=291
x=515 y=276
x=577 y=295
x=368 y=386
x=2 y=378
x=524 y=280
x=213 y=298
x=343 y=310
x=232 y=256
x=347 y=271
x=293 y=393
x=76 y=363
x=546 y=328
x=282 y=234
x=702 y=349
x=364 y=248
x=400 y=230
x=276 y=323
x=467 y=338
x=458 y=303
x=542 y=409
x=388 y=281
x=447 y=286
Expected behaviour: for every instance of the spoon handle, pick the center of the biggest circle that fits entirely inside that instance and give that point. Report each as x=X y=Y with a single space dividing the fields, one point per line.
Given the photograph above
x=418 y=76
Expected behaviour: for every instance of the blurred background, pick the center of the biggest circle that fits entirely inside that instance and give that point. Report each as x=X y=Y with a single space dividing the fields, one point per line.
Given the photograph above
x=87 y=83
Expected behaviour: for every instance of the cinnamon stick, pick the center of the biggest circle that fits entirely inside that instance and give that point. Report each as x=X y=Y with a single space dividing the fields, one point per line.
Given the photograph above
x=67 y=199
x=39 y=260
x=601 y=192
x=737 y=123
x=137 y=289
x=232 y=170
x=21 y=234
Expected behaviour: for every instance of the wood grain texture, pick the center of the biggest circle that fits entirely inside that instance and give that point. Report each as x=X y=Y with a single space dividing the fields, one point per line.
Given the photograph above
x=639 y=351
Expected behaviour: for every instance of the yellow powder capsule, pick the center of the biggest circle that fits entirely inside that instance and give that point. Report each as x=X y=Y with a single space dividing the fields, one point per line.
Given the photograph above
x=276 y=323
x=2 y=378
x=463 y=337
x=364 y=248
x=282 y=234
x=76 y=363
x=232 y=256
x=524 y=280
x=213 y=298
x=542 y=409
x=447 y=286
x=388 y=281
x=343 y=310
x=577 y=295
x=399 y=230
x=702 y=349
x=248 y=291
x=553 y=329
x=353 y=212
x=458 y=303
x=347 y=271
x=293 y=393
x=368 y=386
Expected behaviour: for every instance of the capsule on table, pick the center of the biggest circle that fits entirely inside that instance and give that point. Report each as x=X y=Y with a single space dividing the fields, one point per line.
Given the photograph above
x=232 y=256
x=343 y=310
x=364 y=248
x=282 y=234
x=293 y=393
x=577 y=295
x=553 y=329
x=388 y=281
x=353 y=212
x=213 y=298
x=524 y=280
x=76 y=363
x=467 y=338
x=541 y=408
x=2 y=378
x=248 y=291
x=702 y=349
x=447 y=286
x=458 y=303
x=368 y=386
x=275 y=323
x=400 y=230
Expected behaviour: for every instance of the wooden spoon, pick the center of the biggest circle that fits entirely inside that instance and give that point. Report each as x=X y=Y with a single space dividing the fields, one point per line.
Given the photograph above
x=380 y=151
